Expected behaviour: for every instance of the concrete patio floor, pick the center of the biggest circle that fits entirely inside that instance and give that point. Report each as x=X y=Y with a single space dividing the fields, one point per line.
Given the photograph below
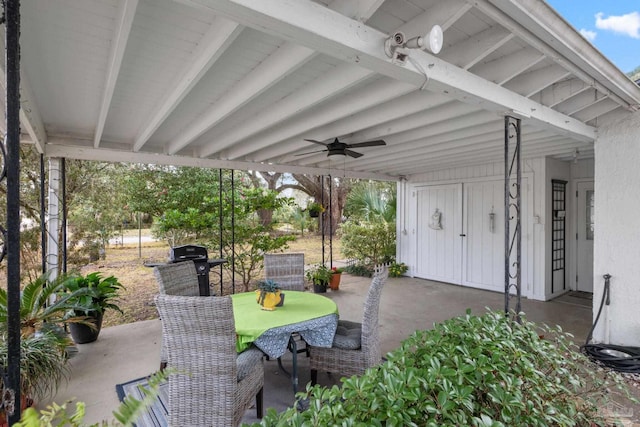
x=126 y=352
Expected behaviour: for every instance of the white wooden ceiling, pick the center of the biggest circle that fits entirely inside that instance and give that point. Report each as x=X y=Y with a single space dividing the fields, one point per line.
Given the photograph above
x=241 y=83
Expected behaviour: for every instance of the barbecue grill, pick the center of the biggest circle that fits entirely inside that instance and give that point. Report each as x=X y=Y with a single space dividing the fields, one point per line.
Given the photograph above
x=200 y=257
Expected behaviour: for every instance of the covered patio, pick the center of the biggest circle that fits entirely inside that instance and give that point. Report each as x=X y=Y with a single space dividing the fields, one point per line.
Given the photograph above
x=242 y=84
x=127 y=352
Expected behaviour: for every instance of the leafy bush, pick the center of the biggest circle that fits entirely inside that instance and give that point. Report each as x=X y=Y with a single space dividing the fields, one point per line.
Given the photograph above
x=397 y=270
x=471 y=371
x=360 y=270
x=369 y=242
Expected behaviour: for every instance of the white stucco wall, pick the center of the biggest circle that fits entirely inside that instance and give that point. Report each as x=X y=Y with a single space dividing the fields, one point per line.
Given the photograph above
x=617 y=230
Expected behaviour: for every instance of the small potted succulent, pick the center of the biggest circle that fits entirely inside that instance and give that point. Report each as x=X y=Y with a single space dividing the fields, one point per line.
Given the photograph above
x=315 y=209
x=336 y=274
x=320 y=275
x=268 y=295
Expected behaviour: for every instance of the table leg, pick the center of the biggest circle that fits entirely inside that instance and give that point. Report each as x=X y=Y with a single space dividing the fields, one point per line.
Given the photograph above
x=293 y=348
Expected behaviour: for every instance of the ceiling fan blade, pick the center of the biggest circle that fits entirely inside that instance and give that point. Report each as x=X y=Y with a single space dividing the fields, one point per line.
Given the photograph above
x=367 y=144
x=311 y=152
x=316 y=142
x=352 y=153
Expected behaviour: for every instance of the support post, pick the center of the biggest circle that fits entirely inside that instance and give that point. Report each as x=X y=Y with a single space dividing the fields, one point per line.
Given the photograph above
x=11 y=397
x=53 y=217
x=512 y=214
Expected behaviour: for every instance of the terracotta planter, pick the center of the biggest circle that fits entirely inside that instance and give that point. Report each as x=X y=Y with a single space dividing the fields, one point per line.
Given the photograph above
x=334 y=283
x=25 y=402
x=268 y=300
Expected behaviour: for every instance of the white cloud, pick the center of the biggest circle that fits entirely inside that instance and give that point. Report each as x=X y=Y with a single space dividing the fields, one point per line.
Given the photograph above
x=588 y=34
x=628 y=24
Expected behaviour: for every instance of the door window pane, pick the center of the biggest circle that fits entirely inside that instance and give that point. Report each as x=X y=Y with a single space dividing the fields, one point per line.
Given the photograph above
x=590 y=212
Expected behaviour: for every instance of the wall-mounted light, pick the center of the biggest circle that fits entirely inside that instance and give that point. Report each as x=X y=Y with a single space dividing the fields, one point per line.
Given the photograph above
x=397 y=46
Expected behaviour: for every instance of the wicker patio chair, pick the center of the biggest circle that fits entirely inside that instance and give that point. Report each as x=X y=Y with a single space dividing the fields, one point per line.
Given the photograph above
x=286 y=269
x=180 y=279
x=213 y=385
x=356 y=346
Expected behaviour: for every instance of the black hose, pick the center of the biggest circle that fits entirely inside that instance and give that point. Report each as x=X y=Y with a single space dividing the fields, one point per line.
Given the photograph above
x=617 y=357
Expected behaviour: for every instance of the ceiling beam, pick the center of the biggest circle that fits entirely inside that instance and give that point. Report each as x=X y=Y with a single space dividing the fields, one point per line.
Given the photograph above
x=272 y=70
x=505 y=68
x=468 y=127
x=541 y=27
x=211 y=46
x=549 y=147
x=580 y=101
x=78 y=150
x=531 y=82
x=329 y=85
x=560 y=92
x=319 y=28
x=472 y=50
x=124 y=22
x=443 y=13
x=439 y=120
x=596 y=110
x=399 y=129
x=30 y=116
x=360 y=10
x=286 y=60
x=340 y=106
x=475 y=145
x=386 y=112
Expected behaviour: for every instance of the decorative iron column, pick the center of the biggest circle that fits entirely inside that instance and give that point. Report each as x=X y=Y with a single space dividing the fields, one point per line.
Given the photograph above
x=512 y=213
x=11 y=379
x=322 y=215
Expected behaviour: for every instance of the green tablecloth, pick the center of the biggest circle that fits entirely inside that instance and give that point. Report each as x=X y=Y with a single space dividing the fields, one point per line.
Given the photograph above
x=251 y=321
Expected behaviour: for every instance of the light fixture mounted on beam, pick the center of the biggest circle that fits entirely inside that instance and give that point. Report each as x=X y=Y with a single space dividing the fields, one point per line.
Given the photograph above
x=397 y=46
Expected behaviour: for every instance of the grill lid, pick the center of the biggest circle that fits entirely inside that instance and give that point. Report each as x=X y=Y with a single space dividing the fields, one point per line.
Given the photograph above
x=187 y=252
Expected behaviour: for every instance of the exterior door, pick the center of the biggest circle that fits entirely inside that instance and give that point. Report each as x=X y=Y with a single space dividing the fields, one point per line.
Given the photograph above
x=439 y=225
x=483 y=244
x=584 y=237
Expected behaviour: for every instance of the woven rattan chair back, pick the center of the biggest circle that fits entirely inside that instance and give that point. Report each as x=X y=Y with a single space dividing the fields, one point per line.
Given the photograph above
x=370 y=340
x=200 y=341
x=286 y=269
x=180 y=278
x=350 y=362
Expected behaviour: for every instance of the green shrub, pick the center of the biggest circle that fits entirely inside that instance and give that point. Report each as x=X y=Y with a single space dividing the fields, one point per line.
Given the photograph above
x=397 y=269
x=360 y=270
x=467 y=371
x=369 y=242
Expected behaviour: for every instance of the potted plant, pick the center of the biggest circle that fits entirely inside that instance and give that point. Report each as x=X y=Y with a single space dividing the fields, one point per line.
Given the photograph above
x=43 y=343
x=336 y=275
x=315 y=209
x=320 y=275
x=268 y=295
x=102 y=294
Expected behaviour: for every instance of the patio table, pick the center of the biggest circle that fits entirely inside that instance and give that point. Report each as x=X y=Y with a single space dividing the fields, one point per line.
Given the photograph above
x=313 y=316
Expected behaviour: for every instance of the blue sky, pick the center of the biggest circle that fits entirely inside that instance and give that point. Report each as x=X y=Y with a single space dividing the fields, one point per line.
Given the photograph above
x=613 y=26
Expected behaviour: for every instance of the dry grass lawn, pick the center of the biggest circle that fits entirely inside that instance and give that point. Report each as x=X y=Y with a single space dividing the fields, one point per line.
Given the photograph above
x=123 y=261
